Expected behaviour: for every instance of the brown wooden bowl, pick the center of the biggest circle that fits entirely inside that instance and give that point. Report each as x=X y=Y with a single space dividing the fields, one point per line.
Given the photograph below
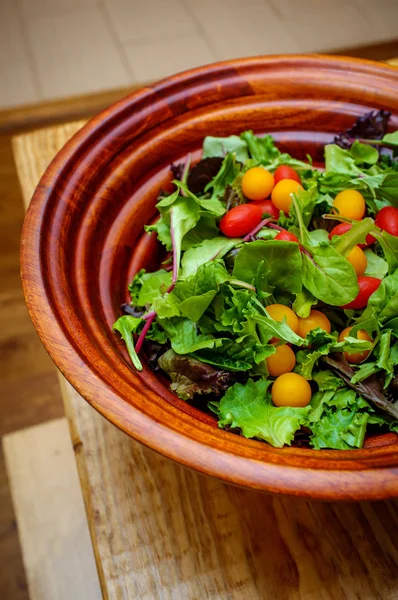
x=83 y=239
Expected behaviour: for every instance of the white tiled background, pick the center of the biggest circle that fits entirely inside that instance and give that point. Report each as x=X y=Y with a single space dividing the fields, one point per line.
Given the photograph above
x=58 y=48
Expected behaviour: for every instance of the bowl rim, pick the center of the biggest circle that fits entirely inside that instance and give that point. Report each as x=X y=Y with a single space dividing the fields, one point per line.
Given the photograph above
x=330 y=484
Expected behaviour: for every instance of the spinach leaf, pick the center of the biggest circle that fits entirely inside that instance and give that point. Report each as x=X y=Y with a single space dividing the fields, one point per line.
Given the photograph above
x=281 y=264
x=249 y=407
x=329 y=276
x=126 y=326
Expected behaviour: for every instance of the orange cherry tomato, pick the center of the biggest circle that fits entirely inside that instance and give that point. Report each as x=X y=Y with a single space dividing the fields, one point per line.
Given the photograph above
x=291 y=389
x=351 y=204
x=356 y=357
x=282 y=361
x=315 y=319
x=279 y=311
x=257 y=183
x=281 y=195
x=358 y=260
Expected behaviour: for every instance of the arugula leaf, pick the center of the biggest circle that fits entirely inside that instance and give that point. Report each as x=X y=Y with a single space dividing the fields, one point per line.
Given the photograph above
x=214 y=146
x=226 y=176
x=282 y=331
x=281 y=264
x=191 y=377
x=147 y=287
x=329 y=276
x=207 y=250
x=376 y=266
x=249 y=407
x=126 y=326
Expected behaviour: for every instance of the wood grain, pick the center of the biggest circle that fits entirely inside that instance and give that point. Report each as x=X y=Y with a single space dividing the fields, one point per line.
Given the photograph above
x=162 y=532
x=56 y=545
x=84 y=229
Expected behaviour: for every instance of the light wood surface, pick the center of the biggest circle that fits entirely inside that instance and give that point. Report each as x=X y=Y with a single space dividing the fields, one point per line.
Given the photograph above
x=55 y=540
x=161 y=531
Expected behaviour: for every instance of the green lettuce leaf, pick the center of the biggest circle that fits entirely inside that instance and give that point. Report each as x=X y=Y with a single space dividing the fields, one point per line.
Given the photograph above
x=126 y=326
x=184 y=336
x=216 y=146
x=249 y=407
x=384 y=300
x=192 y=296
x=202 y=253
x=376 y=266
x=147 y=287
x=261 y=149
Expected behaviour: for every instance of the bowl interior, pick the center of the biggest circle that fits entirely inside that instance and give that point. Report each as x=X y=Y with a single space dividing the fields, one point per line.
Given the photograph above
x=84 y=239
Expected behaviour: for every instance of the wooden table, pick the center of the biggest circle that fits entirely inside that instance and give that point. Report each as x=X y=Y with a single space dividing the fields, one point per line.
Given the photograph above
x=160 y=531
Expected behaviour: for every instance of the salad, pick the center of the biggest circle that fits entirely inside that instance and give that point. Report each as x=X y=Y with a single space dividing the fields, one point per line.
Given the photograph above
x=276 y=305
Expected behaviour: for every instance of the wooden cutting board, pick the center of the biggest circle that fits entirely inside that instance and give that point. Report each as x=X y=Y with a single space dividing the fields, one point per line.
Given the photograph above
x=160 y=531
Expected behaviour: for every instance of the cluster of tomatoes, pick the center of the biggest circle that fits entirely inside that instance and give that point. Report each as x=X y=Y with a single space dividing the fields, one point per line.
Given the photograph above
x=270 y=193
x=258 y=184
x=291 y=389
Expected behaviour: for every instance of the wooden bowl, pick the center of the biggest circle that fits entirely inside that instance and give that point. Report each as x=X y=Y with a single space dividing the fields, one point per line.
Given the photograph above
x=83 y=239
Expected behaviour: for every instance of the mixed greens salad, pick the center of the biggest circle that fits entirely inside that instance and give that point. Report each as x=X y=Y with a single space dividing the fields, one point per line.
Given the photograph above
x=276 y=306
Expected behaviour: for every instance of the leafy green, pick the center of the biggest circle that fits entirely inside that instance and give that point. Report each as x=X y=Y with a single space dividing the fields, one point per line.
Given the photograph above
x=184 y=336
x=329 y=276
x=214 y=146
x=281 y=264
x=327 y=380
x=262 y=149
x=282 y=331
x=389 y=244
x=303 y=303
x=191 y=377
x=126 y=326
x=391 y=139
x=376 y=265
x=249 y=407
x=147 y=287
x=191 y=296
x=226 y=175
x=356 y=235
x=207 y=250
x=337 y=420
x=162 y=230
x=364 y=153
x=385 y=299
